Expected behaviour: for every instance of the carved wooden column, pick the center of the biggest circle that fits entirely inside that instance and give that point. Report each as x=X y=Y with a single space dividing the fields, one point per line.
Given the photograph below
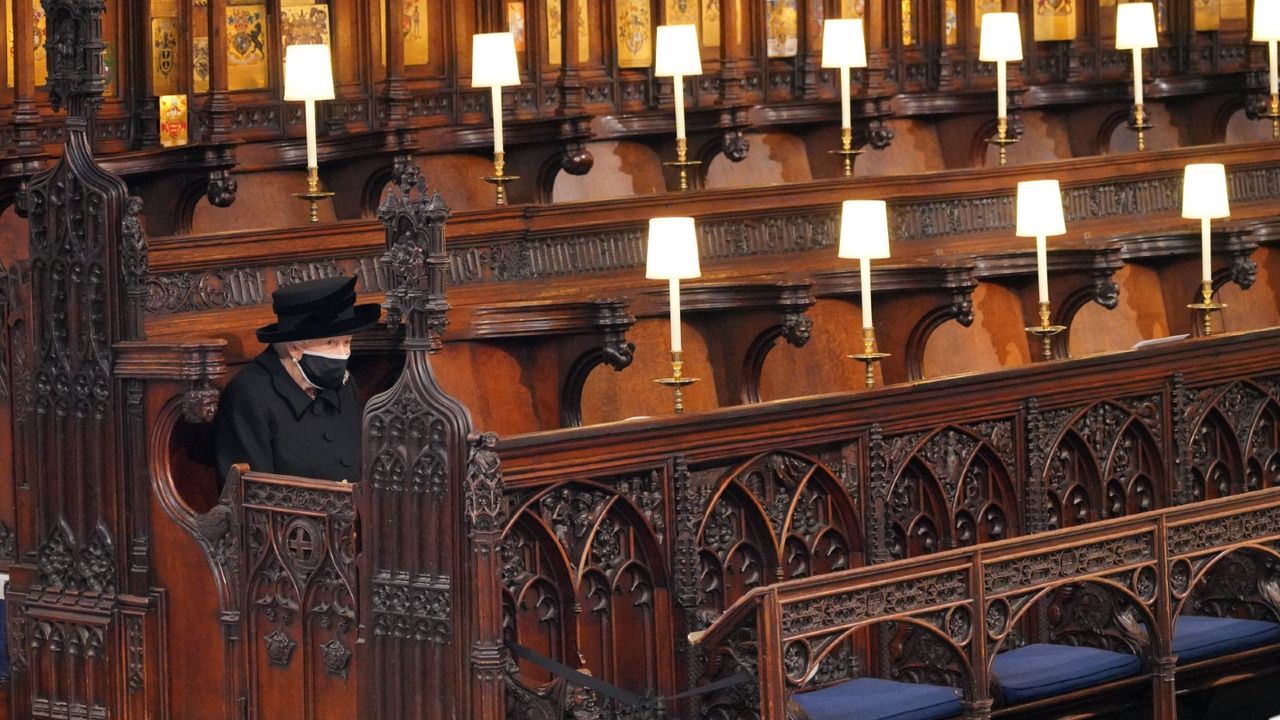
x=25 y=118
x=87 y=632
x=429 y=608
x=218 y=107
x=395 y=96
x=572 y=94
x=735 y=52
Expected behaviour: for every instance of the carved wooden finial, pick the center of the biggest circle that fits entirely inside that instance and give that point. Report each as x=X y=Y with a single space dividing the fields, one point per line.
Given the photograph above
x=415 y=256
x=77 y=70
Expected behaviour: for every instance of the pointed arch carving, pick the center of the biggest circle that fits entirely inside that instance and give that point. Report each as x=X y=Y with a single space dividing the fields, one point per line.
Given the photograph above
x=1102 y=460
x=942 y=489
x=777 y=516
x=1229 y=438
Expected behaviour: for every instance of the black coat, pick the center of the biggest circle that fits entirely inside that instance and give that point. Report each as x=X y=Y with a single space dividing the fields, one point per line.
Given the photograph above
x=266 y=420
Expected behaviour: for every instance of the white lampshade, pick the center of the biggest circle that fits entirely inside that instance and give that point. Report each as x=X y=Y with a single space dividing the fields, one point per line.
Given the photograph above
x=1204 y=191
x=864 y=230
x=673 y=249
x=677 y=51
x=1266 y=20
x=308 y=73
x=1040 y=209
x=493 y=60
x=843 y=43
x=1135 y=26
x=1001 y=38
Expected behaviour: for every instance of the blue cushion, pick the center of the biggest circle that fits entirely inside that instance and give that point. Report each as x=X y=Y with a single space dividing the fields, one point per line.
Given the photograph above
x=1040 y=670
x=875 y=699
x=1196 y=637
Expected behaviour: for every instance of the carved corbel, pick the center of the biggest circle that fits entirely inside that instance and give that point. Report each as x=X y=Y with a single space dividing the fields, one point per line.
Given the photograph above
x=734 y=145
x=612 y=320
x=879 y=134
x=200 y=401
x=221 y=188
x=577 y=159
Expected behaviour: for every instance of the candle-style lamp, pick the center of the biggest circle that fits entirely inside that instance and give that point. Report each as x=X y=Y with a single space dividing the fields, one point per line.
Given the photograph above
x=493 y=65
x=1204 y=197
x=864 y=235
x=1136 y=31
x=1000 y=42
x=308 y=77
x=844 y=46
x=678 y=56
x=1266 y=28
x=673 y=256
x=1039 y=216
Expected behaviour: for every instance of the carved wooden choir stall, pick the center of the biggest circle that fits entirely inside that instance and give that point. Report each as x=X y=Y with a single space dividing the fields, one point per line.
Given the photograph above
x=1014 y=525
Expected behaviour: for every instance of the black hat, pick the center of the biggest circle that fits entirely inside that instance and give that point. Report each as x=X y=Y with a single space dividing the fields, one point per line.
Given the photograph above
x=317 y=309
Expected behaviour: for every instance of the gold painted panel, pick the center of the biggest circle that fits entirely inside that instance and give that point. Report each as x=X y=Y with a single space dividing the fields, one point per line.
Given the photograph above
x=8 y=43
x=39 y=27
x=783 y=28
x=982 y=7
x=711 y=23
x=852 y=8
x=1206 y=14
x=515 y=23
x=951 y=23
x=246 y=47
x=200 y=64
x=164 y=55
x=304 y=25
x=1055 y=20
x=173 y=120
x=908 y=19
x=416 y=38
x=635 y=34
x=555 y=44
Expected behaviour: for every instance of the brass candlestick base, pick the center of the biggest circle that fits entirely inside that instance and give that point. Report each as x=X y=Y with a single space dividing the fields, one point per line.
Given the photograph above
x=313 y=194
x=682 y=162
x=677 y=381
x=1207 y=307
x=1140 y=125
x=1046 y=331
x=869 y=356
x=498 y=179
x=846 y=150
x=1273 y=112
x=1002 y=140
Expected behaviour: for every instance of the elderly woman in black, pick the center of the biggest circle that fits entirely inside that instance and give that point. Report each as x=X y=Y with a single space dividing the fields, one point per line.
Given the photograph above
x=293 y=410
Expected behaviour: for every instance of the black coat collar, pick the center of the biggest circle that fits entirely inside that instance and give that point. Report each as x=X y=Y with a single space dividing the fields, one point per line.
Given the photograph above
x=286 y=387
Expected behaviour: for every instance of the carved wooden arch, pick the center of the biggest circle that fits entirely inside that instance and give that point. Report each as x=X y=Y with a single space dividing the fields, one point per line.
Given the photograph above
x=635 y=557
x=543 y=545
x=1191 y=575
x=617 y=355
x=1262 y=449
x=1107 y=128
x=1233 y=103
x=1222 y=426
x=185 y=212
x=779 y=524
x=949 y=490
x=796 y=328
x=955 y=646
x=1123 y=460
x=574 y=159
x=1103 y=291
x=1002 y=614
x=959 y=309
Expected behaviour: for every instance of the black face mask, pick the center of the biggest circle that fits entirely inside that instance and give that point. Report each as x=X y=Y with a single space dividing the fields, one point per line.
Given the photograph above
x=324 y=371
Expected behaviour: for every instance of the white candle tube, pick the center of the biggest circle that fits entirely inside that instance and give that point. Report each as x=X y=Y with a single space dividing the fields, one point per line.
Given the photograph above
x=673 y=288
x=1275 y=74
x=845 y=100
x=1206 y=271
x=310 y=113
x=864 y=272
x=1042 y=268
x=1002 y=92
x=497 y=118
x=1137 y=76
x=677 y=83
